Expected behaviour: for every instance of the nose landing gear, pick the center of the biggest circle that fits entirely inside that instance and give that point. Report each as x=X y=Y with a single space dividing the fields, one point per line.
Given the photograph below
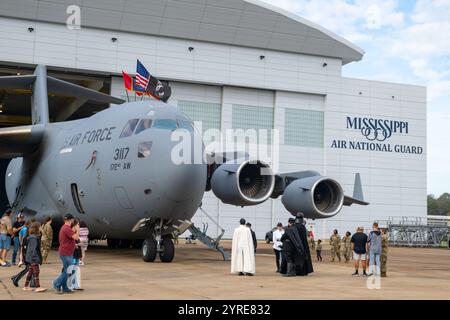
x=164 y=247
x=167 y=250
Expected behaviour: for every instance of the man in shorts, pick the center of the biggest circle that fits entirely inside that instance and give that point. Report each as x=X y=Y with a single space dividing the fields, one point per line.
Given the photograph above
x=359 y=241
x=5 y=237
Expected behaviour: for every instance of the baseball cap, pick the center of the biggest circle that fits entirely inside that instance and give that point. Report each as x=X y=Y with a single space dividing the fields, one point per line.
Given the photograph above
x=68 y=216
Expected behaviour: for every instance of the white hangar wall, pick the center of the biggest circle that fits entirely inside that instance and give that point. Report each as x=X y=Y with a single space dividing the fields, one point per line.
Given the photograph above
x=217 y=82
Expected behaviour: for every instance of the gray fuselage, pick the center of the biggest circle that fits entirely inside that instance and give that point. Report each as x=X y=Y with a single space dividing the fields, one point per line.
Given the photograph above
x=107 y=175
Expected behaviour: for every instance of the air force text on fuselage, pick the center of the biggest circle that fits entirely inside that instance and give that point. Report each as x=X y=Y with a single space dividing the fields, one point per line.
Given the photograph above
x=376 y=133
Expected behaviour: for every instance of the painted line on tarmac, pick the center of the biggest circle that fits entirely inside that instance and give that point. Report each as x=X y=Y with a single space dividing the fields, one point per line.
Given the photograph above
x=7 y=290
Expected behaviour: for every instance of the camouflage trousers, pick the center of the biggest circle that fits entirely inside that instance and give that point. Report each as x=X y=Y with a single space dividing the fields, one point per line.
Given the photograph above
x=347 y=252
x=335 y=251
x=45 y=248
x=383 y=261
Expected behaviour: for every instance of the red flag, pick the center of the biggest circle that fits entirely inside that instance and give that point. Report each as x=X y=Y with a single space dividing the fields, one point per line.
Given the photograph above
x=127 y=81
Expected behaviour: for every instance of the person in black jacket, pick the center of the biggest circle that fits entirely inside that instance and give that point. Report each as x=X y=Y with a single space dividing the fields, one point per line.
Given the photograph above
x=255 y=243
x=293 y=251
x=306 y=267
x=33 y=258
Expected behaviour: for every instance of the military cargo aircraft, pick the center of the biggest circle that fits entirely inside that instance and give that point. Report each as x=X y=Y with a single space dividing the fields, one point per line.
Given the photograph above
x=114 y=171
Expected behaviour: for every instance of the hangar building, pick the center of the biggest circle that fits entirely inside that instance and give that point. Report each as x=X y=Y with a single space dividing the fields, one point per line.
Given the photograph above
x=235 y=64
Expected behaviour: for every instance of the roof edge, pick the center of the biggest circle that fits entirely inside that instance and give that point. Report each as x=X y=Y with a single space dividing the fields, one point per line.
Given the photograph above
x=311 y=24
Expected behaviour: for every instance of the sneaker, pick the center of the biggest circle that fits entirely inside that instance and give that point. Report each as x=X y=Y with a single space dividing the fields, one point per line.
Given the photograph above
x=365 y=274
x=67 y=291
x=241 y=273
x=355 y=274
x=250 y=274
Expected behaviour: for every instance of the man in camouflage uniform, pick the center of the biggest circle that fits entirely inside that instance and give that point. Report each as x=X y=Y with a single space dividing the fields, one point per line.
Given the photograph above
x=384 y=252
x=311 y=243
x=347 y=250
x=46 y=239
x=335 y=243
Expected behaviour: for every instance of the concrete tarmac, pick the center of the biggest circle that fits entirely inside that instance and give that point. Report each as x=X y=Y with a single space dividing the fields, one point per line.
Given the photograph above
x=199 y=273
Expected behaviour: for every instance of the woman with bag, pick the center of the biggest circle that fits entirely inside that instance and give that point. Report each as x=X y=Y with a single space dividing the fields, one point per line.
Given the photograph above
x=33 y=258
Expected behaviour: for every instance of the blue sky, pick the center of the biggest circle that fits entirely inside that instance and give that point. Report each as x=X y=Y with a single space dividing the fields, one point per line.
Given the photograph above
x=406 y=41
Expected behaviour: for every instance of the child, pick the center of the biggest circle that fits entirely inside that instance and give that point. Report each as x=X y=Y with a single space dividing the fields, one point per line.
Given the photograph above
x=22 y=234
x=319 y=250
x=74 y=281
x=33 y=258
x=84 y=241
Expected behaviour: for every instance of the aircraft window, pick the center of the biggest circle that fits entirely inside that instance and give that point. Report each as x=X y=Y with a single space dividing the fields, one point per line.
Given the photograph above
x=184 y=124
x=144 y=124
x=129 y=128
x=144 y=149
x=167 y=124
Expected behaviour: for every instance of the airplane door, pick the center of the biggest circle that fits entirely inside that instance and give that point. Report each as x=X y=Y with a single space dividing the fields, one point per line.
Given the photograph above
x=76 y=198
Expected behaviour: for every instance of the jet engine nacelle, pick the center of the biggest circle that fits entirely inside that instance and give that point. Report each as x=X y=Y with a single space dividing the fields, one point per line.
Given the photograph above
x=243 y=183
x=316 y=197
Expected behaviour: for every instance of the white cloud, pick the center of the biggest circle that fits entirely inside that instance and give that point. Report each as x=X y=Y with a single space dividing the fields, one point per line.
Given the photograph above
x=439 y=89
x=350 y=20
x=383 y=14
x=431 y=10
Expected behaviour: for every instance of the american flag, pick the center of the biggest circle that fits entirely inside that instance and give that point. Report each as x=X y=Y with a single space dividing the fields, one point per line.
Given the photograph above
x=142 y=75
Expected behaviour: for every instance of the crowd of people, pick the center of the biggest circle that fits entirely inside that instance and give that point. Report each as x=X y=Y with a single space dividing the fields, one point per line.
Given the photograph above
x=293 y=246
x=32 y=241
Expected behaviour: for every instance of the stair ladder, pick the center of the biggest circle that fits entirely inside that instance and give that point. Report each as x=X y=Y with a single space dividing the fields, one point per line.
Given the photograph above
x=207 y=240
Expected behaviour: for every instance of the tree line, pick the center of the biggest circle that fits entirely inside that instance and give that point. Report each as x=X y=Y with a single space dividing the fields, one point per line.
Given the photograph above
x=439 y=206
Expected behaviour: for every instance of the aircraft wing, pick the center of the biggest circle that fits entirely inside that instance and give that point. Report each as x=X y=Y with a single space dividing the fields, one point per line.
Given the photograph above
x=59 y=87
x=19 y=141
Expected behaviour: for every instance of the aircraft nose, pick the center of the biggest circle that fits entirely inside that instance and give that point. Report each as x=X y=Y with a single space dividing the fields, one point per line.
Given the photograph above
x=186 y=182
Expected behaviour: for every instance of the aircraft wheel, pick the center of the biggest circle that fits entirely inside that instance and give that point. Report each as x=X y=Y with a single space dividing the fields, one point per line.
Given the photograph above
x=149 y=250
x=168 y=250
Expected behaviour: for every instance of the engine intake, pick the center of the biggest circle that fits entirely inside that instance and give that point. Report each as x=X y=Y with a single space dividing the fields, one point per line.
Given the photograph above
x=317 y=197
x=243 y=184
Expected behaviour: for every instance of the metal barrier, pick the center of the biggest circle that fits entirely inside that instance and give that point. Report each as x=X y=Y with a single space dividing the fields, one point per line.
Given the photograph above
x=418 y=231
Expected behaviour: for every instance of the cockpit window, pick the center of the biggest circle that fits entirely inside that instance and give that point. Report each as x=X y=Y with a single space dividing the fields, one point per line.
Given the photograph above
x=144 y=124
x=144 y=149
x=129 y=128
x=167 y=124
x=184 y=124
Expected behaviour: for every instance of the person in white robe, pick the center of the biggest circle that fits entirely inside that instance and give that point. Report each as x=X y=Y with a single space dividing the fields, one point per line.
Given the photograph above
x=242 y=251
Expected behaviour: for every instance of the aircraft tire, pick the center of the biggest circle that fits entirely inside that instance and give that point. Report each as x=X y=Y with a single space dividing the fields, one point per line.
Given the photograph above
x=149 y=250
x=168 y=252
